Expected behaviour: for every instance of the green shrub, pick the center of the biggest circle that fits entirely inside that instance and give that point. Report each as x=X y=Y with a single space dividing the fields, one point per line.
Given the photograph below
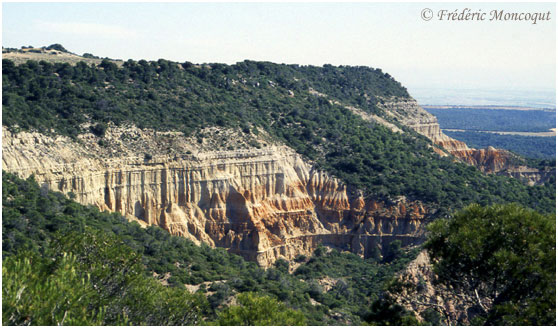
x=503 y=253
x=257 y=310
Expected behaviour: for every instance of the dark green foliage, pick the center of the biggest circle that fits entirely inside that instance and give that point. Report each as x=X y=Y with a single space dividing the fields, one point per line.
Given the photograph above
x=256 y=95
x=56 y=46
x=282 y=265
x=394 y=251
x=164 y=95
x=486 y=119
x=359 y=281
x=36 y=291
x=432 y=317
x=91 y=279
x=123 y=290
x=99 y=129
x=259 y=310
x=541 y=164
x=385 y=312
x=250 y=96
x=507 y=255
x=532 y=147
x=117 y=253
x=88 y=55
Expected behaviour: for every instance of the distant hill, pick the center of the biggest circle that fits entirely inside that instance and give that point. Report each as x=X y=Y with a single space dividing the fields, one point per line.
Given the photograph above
x=55 y=53
x=324 y=178
x=308 y=108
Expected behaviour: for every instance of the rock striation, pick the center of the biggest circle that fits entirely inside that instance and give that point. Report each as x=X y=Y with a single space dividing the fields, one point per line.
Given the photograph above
x=407 y=112
x=263 y=204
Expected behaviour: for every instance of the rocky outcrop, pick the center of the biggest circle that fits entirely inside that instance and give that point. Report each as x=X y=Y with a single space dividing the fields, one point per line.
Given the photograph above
x=421 y=292
x=490 y=160
x=263 y=204
x=529 y=175
x=407 y=112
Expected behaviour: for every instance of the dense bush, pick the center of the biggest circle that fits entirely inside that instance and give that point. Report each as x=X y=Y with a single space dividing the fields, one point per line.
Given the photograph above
x=90 y=278
x=254 y=310
x=169 y=96
x=78 y=246
x=39 y=292
x=504 y=255
x=56 y=46
x=56 y=248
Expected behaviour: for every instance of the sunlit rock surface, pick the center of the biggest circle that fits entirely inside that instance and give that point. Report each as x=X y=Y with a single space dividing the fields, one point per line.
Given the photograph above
x=490 y=160
x=263 y=204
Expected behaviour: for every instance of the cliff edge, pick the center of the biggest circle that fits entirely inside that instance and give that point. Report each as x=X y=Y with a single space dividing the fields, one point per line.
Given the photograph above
x=263 y=204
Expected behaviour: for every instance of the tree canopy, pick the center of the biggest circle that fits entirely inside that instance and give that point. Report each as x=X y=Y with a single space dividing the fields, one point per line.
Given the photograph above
x=254 y=310
x=503 y=258
x=260 y=96
x=53 y=247
x=91 y=279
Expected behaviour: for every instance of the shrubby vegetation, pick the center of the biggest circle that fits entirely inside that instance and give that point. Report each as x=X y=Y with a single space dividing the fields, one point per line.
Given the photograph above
x=54 y=247
x=56 y=46
x=89 y=278
x=64 y=248
x=39 y=292
x=256 y=310
x=502 y=259
x=259 y=95
x=65 y=263
x=166 y=95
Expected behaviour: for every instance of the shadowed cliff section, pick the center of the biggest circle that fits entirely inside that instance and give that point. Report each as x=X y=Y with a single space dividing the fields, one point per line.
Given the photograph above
x=320 y=112
x=264 y=204
x=489 y=160
x=263 y=159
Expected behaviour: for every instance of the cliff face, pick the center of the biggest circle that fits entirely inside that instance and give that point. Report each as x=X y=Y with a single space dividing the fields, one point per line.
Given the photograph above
x=489 y=160
x=407 y=112
x=422 y=291
x=529 y=175
x=260 y=203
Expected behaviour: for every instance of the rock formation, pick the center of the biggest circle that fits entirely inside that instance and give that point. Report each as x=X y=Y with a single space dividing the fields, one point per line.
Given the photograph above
x=421 y=292
x=407 y=112
x=263 y=204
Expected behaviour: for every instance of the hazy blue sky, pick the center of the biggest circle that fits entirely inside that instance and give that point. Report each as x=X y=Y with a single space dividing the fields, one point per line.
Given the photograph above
x=438 y=54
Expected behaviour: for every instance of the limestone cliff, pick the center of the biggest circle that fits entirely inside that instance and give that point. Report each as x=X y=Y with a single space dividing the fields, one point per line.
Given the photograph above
x=261 y=203
x=407 y=112
x=490 y=160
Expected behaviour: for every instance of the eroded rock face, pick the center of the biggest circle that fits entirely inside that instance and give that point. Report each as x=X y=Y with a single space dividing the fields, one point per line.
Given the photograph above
x=407 y=112
x=423 y=292
x=489 y=160
x=260 y=203
x=529 y=175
